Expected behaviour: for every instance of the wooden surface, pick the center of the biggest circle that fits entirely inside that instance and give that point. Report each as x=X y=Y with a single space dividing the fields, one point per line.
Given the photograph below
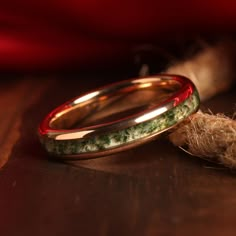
x=155 y=189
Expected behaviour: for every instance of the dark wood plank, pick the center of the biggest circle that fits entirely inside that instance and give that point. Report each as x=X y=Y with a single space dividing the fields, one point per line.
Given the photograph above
x=155 y=189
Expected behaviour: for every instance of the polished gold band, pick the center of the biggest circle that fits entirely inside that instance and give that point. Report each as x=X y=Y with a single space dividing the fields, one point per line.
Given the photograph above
x=144 y=108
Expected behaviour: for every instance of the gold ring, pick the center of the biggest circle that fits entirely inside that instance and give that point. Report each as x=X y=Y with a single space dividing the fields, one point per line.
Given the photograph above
x=117 y=117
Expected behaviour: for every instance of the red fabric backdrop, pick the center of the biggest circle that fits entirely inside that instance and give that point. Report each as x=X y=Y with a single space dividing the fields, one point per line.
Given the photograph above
x=52 y=33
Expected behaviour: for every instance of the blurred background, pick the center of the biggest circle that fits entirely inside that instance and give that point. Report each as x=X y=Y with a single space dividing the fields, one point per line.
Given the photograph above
x=50 y=35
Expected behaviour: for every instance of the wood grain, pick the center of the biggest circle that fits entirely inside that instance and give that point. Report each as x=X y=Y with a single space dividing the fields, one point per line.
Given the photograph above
x=155 y=189
x=16 y=97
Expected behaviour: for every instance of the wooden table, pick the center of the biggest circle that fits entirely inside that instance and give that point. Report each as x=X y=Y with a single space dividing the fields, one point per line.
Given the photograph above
x=155 y=189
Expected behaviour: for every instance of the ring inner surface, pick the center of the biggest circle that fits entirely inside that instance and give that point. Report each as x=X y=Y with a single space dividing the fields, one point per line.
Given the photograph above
x=113 y=106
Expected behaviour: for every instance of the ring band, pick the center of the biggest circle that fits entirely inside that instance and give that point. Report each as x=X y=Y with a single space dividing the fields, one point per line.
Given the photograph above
x=175 y=98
